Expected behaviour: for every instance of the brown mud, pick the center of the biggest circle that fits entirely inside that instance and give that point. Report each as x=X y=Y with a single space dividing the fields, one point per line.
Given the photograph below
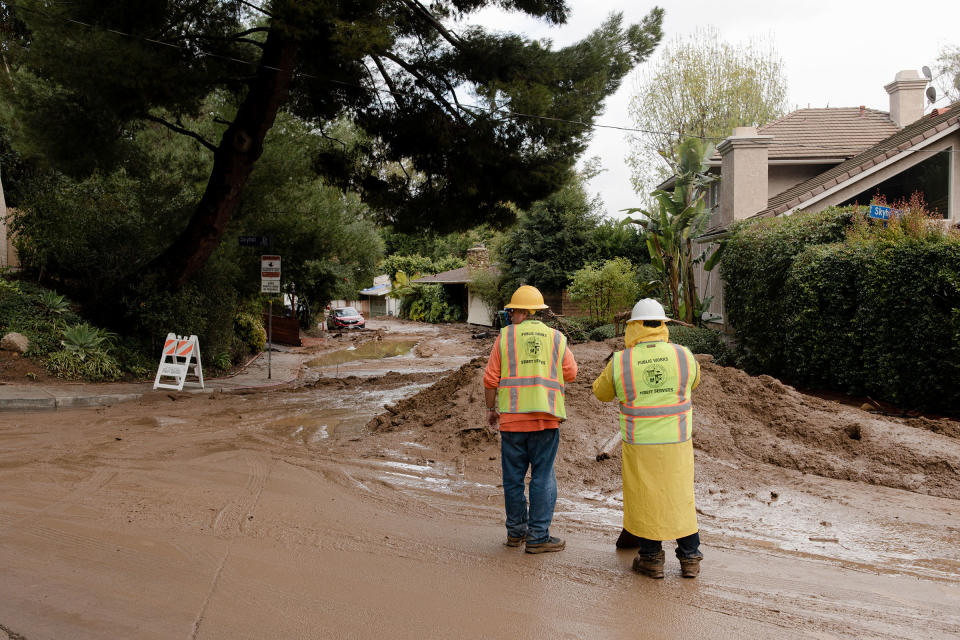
x=366 y=503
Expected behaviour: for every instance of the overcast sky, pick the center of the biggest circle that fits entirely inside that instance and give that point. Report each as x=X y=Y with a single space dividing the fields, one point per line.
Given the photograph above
x=838 y=53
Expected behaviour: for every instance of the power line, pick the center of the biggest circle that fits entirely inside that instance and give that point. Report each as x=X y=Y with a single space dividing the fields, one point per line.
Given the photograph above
x=462 y=106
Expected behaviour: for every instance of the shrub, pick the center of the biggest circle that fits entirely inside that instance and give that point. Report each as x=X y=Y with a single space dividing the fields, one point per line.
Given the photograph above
x=601 y=333
x=19 y=301
x=605 y=288
x=430 y=303
x=755 y=267
x=701 y=340
x=95 y=366
x=53 y=303
x=205 y=307
x=249 y=330
x=854 y=306
x=576 y=329
x=84 y=340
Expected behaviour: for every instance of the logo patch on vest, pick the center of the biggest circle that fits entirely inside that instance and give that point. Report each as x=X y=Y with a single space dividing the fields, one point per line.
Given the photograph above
x=533 y=347
x=654 y=375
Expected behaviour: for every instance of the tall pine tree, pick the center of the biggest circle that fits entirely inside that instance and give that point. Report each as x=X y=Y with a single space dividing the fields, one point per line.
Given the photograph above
x=461 y=123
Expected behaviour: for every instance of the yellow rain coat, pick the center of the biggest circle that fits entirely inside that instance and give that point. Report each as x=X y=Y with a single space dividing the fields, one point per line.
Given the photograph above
x=658 y=501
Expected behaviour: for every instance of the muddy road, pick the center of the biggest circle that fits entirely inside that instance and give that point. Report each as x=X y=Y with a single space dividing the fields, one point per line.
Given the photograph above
x=365 y=503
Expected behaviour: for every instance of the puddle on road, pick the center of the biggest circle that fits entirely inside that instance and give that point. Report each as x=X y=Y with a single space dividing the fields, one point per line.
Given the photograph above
x=311 y=428
x=311 y=418
x=372 y=350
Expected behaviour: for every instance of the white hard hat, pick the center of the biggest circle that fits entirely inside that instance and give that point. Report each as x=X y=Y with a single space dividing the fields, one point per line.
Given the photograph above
x=647 y=309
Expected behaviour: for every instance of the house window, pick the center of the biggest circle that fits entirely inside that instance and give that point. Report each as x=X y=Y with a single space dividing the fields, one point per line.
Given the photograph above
x=930 y=177
x=713 y=195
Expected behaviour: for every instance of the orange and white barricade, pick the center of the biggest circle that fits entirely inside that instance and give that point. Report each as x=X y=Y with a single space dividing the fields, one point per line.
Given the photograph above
x=181 y=355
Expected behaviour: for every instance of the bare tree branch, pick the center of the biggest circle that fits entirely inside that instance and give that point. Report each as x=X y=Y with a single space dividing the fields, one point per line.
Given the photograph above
x=324 y=135
x=443 y=79
x=449 y=36
x=373 y=82
x=397 y=96
x=419 y=76
x=184 y=131
x=256 y=8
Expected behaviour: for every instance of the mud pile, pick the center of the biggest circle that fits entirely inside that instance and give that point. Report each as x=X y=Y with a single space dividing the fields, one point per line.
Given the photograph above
x=739 y=416
x=738 y=419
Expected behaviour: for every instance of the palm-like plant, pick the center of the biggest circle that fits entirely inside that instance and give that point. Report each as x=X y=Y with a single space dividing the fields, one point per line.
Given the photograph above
x=84 y=340
x=54 y=303
x=679 y=216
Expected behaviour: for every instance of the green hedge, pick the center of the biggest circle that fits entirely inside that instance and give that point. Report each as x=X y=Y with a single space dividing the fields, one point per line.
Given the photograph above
x=701 y=340
x=876 y=313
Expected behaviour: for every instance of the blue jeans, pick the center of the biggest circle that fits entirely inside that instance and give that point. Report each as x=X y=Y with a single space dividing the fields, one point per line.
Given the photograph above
x=687 y=546
x=536 y=450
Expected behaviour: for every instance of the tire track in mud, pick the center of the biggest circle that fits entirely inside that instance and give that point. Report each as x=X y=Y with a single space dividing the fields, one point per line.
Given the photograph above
x=232 y=518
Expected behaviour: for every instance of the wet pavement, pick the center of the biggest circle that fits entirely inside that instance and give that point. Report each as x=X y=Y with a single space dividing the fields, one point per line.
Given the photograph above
x=284 y=368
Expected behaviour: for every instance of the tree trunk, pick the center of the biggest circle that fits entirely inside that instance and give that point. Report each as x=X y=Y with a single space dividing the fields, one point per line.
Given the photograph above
x=233 y=162
x=689 y=286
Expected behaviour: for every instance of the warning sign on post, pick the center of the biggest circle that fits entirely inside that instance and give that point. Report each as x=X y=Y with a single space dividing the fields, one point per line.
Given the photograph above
x=269 y=274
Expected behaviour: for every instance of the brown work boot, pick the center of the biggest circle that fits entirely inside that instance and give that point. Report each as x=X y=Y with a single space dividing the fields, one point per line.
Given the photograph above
x=690 y=567
x=515 y=542
x=650 y=566
x=553 y=544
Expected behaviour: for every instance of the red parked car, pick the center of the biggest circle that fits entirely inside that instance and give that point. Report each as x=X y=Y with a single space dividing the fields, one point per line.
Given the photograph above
x=345 y=318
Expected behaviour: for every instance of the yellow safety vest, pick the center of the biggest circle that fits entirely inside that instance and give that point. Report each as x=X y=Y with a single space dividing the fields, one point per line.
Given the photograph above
x=531 y=369
x=653 y=381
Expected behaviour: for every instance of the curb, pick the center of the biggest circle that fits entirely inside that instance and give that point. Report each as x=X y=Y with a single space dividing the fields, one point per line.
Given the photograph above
x=28 y=404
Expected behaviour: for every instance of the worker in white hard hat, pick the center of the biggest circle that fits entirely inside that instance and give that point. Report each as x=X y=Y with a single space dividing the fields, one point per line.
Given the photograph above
x=524 y=390
x=652 y=380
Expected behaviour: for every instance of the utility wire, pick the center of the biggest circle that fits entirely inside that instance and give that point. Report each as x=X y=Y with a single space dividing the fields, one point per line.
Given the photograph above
x=463 y=107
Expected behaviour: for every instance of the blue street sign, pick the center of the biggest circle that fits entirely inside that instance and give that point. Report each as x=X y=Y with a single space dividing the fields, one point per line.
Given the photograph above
x=880 y=213
x=254 y=241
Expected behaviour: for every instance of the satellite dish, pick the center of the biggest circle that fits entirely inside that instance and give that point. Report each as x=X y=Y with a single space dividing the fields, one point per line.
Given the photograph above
x=932 y=94
x=926 y=72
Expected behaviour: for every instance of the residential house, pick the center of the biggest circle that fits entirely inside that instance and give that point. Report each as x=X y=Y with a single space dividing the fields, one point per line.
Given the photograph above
x=8 y=253
x=457 y=285
x=812 y=159
x=378 y=300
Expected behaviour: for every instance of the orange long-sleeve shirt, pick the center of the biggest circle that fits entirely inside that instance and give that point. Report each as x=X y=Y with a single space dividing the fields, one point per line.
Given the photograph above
x=537 y=421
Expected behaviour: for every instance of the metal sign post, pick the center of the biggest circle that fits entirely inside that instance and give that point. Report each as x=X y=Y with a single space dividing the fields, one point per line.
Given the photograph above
x=269 y=283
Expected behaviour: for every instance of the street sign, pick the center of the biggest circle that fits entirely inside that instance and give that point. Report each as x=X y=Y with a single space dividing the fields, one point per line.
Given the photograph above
x=254 y=241
x=269 y=274
x=880 y=213
x=270 y=266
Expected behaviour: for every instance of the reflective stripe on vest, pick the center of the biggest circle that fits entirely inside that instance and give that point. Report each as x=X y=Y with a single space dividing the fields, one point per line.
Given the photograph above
x=653 y=381
x=531 y=371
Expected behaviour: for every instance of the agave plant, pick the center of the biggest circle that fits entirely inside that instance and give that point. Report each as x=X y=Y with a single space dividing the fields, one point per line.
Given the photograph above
x=84 y=340
x=54 y=303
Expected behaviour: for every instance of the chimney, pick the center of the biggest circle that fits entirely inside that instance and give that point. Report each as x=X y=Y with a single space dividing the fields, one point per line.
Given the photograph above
x=478 y=257
x=743 y=174
x=906 y=97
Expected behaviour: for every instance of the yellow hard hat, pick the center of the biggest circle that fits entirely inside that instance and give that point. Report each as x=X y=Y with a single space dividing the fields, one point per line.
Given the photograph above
x=526 y=297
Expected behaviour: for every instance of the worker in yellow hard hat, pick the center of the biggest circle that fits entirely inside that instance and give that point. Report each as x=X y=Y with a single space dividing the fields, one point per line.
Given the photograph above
x=652 y=380
x=524 y=390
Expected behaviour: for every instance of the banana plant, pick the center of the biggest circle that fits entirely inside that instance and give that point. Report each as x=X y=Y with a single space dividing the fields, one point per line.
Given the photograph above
x=678 y=216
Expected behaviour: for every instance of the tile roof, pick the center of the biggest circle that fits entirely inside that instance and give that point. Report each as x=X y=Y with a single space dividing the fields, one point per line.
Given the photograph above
x=888 y=147
x=826 y=133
